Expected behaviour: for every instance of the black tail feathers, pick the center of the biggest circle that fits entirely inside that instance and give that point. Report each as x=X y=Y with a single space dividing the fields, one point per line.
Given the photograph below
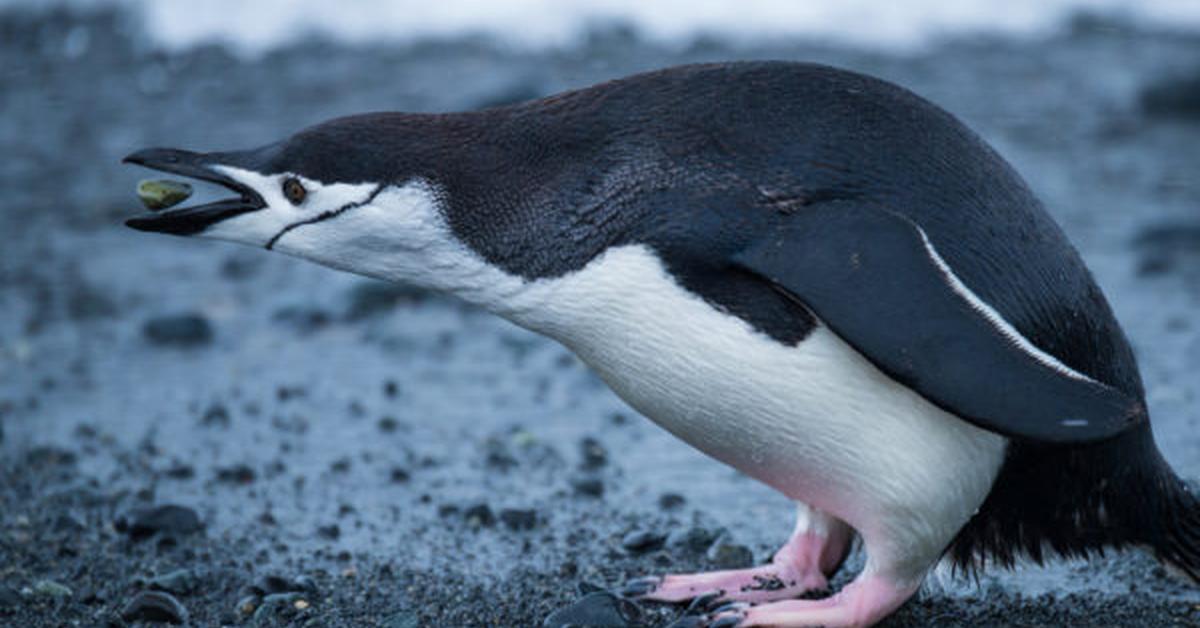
x=1175 y=536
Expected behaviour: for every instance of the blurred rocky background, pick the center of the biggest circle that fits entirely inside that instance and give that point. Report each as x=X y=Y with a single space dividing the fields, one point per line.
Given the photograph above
x=197 y=432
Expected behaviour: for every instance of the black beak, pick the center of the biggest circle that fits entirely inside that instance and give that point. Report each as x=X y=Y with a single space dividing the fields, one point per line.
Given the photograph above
x=192 y=220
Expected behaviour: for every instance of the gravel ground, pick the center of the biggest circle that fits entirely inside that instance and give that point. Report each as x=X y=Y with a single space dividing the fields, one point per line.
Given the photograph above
x=195 y=431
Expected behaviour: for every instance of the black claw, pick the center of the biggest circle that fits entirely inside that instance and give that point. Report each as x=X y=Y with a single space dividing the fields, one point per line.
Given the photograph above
x=704 y=603
x=640 y=586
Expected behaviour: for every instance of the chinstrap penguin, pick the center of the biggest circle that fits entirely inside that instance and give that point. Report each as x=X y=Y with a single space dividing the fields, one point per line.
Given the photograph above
x=814 y=276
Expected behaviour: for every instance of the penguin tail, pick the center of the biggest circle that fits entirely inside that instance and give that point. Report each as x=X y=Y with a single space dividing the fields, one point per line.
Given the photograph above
x=1176 y=537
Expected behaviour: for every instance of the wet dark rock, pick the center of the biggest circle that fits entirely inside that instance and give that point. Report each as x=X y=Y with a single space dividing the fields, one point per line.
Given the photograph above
x=479 y=515
x=671 y=501
x=305 y=584
x=592 y=453
x=588 y=487
x=372 y=298
x=302 y=319
x=154 y=606
x=642 y=541
x=331 y=532
x=518 y=519
x=216 y=414
x=1173 y=97
x=724 y=554
x=596 y=609
x=273 y=583
x=179 y=582
x=399 y=475
x=179 y=330
x=168 y=519
x=236 y=474
x=180 y=471
x=497 y=455
x=695 y=539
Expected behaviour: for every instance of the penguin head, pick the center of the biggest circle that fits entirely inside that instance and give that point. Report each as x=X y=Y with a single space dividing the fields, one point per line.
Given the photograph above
x=344 y=191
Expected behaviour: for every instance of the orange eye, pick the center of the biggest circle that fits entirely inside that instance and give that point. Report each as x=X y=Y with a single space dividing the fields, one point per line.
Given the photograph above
x=294 y=190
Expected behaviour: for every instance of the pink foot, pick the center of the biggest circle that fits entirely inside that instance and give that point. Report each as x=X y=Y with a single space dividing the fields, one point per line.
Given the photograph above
x=863 y=602
x=815 y=551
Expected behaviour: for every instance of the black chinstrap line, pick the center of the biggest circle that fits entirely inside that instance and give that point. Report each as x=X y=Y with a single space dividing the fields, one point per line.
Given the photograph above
x=323 y=216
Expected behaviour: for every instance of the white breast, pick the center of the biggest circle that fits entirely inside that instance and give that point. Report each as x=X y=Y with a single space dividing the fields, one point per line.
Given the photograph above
x=817 y=421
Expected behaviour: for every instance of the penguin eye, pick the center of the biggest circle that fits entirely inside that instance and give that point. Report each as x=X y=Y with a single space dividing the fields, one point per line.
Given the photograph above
x=294 y=190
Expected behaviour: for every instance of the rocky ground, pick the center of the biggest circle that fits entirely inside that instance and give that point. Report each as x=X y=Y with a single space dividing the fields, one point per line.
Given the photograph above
x=191 y=431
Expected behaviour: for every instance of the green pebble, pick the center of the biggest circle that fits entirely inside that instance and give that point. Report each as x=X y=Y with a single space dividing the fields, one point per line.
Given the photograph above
x=162 y=193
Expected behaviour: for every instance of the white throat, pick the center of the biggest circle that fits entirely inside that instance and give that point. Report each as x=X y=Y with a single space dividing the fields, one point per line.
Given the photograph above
x=402 y=236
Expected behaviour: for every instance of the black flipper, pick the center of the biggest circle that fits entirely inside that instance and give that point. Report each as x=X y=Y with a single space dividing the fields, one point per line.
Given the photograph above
x=866 y=273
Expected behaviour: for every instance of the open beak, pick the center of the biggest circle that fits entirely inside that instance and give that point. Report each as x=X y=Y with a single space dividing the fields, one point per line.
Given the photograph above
x=197 y=218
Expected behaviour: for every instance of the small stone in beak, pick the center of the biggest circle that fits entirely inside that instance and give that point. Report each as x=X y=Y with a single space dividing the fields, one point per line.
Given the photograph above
x=158 y=194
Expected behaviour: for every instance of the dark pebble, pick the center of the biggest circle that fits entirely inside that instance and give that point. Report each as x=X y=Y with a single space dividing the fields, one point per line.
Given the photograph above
x=1175 y=97
x=596 y=609
x=695 y=539
x=154 y=606
x=400 y=475
x=237 y=474
x=518 y=519
x=180 y=330
x=588 y=487
x=391 y=389
x=726 y=555
x=642 y=541
x=302 y=319
x=331 y=532
x=388 y=424
x=274 y=583
x=592 y=453
x=180 y=471
x=479 y=515
x=671 y=501
x=166 y=519
x=216 y=415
